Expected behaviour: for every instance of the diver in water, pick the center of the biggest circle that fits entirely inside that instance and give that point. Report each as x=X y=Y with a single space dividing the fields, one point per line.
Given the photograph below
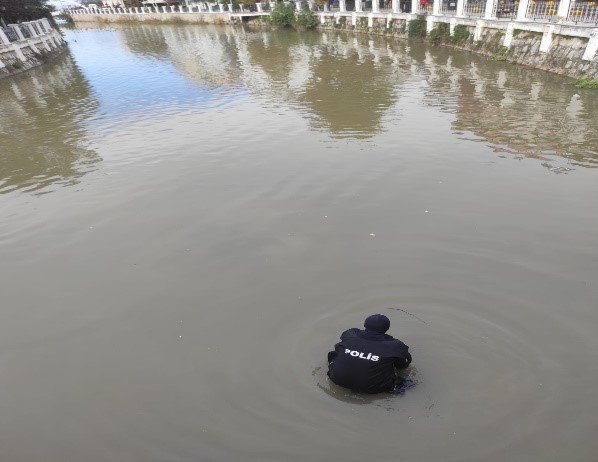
x=365 y=360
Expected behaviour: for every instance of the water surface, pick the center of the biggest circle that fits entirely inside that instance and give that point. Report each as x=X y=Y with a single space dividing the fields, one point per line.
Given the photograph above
x=191 y=215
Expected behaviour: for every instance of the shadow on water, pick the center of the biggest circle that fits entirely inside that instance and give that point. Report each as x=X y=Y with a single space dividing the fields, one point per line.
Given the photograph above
x=42 y=128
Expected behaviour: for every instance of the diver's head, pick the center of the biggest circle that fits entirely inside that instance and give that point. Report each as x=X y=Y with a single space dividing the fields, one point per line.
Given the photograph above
x=377 y=323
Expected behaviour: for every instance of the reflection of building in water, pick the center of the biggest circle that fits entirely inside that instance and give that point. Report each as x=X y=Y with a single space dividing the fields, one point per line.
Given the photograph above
x=516 y=109
x=206 y=55
x=345 y=85
x=42 y=125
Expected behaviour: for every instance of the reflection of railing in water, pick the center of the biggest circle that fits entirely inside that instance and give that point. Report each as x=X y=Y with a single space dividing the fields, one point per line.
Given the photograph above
x=584 y=12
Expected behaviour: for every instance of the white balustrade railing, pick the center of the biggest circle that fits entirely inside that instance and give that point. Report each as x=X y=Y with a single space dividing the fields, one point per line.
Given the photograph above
x=583 y=12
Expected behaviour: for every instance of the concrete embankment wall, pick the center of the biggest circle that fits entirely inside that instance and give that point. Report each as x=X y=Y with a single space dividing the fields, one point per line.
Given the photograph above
x=24 y=53
x=565 y=50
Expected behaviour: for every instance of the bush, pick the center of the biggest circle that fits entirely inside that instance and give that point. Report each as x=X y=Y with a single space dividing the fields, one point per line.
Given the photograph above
x=501 y=55
x=307 y=19
x=460 y=35
x=586 y=82
x=440 y=33
x=342 y=21
x=417 y=27
x=283 y=15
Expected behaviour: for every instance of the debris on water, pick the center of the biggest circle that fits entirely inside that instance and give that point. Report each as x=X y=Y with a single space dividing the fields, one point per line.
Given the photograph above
x=372 y=234
x=325 y=216
x=180 y=336
x=427 y=211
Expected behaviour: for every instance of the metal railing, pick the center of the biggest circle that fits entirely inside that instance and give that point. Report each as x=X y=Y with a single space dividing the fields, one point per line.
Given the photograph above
x=583 y=12
x=474 y=8
x=542 y=9
x=448 y=7
x=24 y=30
x=10 y=33
x=506 y=9
x=425 y=8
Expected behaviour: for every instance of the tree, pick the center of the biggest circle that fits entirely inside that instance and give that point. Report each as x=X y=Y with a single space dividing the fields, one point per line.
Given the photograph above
x=12 y=11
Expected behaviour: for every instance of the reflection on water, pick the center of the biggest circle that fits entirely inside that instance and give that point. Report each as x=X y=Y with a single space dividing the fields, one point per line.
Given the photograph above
x=343 y=85
x=241 y=198
x=42 y=127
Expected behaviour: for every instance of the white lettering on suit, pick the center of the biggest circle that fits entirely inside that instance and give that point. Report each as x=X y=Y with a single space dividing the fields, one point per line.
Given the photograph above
x=358 y=354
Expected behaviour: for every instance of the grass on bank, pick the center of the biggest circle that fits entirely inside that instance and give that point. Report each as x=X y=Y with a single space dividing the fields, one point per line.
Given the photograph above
x=586 y=82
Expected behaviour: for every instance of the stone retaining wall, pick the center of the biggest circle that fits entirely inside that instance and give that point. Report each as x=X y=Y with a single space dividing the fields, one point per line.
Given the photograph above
x=564 y=50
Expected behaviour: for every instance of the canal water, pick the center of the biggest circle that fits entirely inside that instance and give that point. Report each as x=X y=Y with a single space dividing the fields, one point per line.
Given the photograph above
x=191 y=215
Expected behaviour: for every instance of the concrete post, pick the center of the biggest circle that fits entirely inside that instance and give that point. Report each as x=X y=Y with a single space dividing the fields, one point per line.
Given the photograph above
x=172 y=9
x=3 y=38
x=259 y=7
x=563 y=10
x=32 y=30
x=375 y=6
x=436 y=8
x=522 y=10
x=395 y=6
x=342 y=6
x=46 y=24
x=181 y=9
x=460 y=13
x=298 y=6
x=19 y=53
x=414 y=6
x=358 y=6
x=490 y=13
x=18 y=31
x=137 y=10
x=591 y=47
x=221 y=7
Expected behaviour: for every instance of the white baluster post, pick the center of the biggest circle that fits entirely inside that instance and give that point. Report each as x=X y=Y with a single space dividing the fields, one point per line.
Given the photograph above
x=522 y=10
x=490 y=13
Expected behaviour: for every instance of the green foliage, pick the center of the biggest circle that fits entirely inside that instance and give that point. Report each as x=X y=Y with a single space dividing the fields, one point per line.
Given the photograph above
x=66 y=17
x=586 y=82
x=17 y=65
x=307 y=19
x=501 y=55
x=342 y=21
x=440 y=33
x=283 y=15
x=460 y=35
x=13 y=11
x=417 y=27
x=363 y=23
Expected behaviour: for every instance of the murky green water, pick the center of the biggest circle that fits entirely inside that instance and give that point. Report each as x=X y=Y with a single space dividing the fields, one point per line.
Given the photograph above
x=191 y=215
